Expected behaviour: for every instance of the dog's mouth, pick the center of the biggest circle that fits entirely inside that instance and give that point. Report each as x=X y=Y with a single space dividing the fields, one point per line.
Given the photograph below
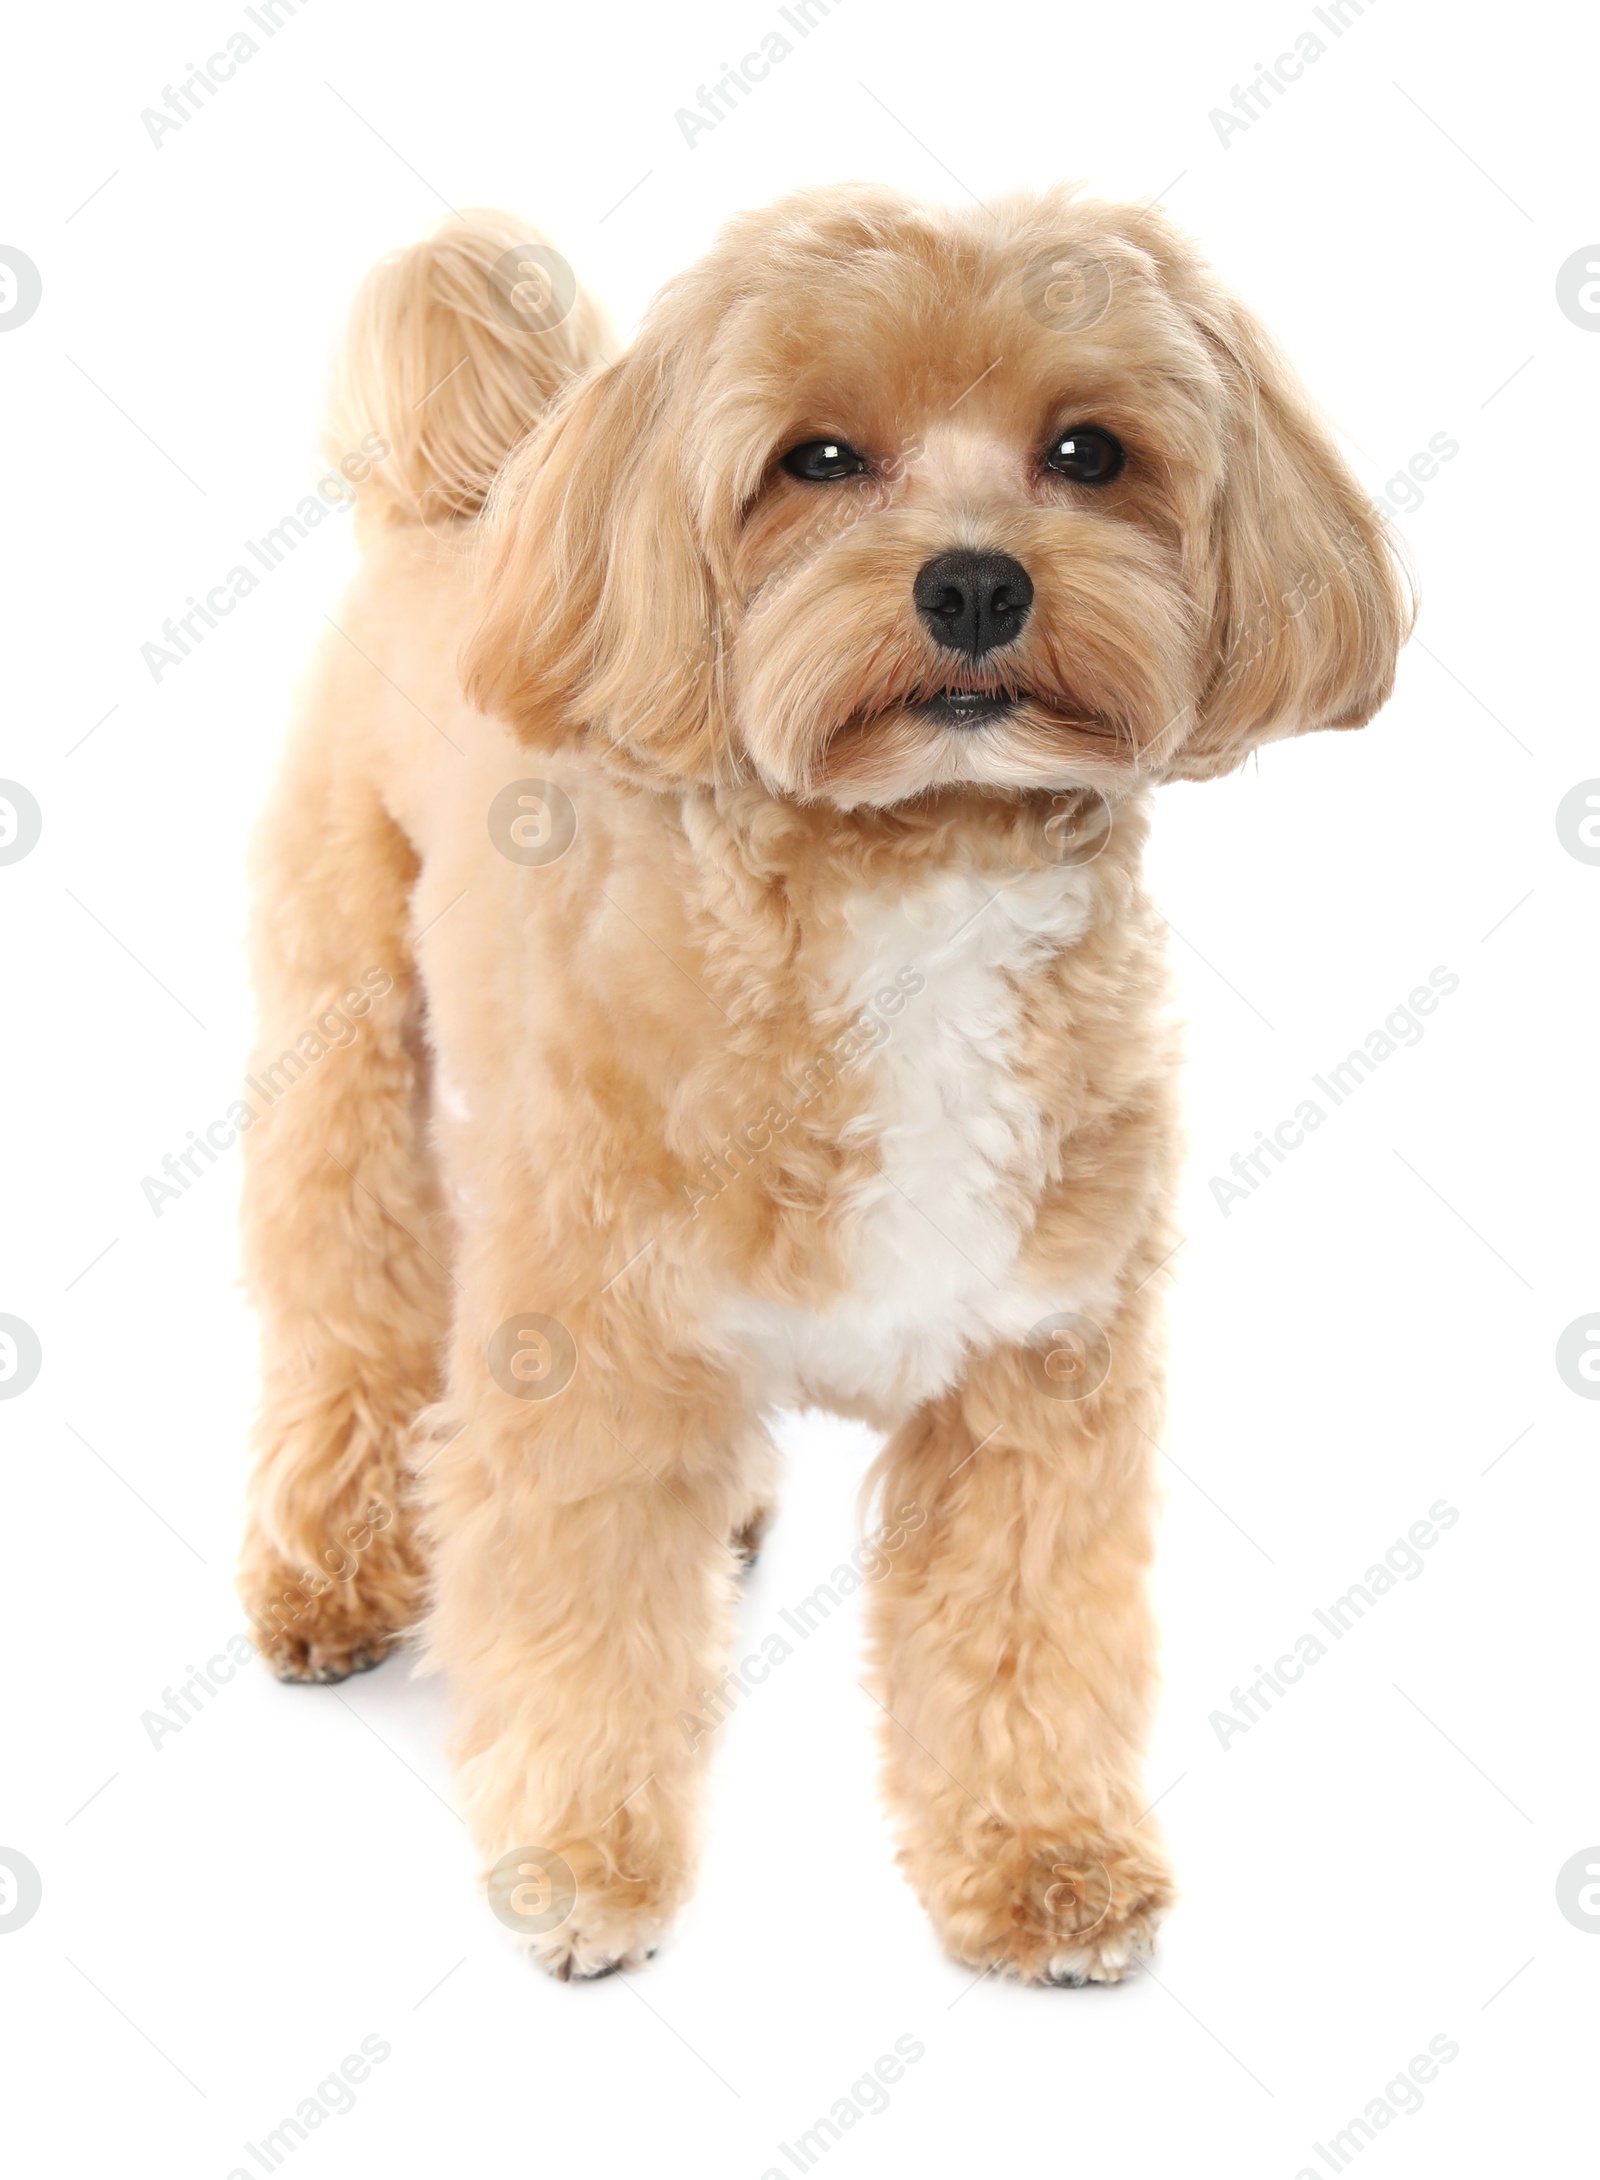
x=970 y=707
x=966 y=710
x=1005 y=737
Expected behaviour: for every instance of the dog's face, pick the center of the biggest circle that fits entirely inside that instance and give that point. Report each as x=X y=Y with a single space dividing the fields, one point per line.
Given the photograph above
x=882 y=502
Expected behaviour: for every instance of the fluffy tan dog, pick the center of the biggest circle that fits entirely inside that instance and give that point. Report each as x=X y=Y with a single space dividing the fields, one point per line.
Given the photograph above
x=729 y=769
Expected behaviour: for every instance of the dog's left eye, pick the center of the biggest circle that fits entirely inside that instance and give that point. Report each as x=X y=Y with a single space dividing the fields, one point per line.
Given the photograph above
x=1085 y=454
x=823 y=461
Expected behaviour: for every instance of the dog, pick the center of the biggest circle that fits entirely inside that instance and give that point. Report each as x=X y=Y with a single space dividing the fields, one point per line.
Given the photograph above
x=720 y=797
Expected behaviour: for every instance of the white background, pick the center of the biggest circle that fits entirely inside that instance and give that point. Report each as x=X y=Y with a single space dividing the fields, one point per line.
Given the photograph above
x=1370 y=1866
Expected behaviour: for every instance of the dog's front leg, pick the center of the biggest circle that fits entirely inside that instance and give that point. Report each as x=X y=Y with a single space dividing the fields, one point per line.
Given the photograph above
x=584 y=1586
x=1015 y=1657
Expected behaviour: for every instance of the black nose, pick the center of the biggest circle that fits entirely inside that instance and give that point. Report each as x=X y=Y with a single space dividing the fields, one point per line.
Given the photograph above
x=973 y=602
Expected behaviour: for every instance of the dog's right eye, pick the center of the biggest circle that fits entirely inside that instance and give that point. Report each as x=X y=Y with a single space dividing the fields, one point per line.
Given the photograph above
x=823 y=461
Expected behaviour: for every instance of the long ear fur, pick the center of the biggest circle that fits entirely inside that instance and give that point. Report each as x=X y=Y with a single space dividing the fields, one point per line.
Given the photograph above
x=599 y=605
x=1309 y=604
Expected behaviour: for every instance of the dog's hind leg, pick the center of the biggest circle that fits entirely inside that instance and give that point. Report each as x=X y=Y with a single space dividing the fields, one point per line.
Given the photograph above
x=344 y=1250
x=442 y=373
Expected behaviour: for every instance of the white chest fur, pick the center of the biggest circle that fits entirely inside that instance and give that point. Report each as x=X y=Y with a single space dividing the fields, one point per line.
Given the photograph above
x=933 y=1236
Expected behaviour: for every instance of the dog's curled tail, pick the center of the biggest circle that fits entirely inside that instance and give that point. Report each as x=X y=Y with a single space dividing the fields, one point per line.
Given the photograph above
x=454 y=348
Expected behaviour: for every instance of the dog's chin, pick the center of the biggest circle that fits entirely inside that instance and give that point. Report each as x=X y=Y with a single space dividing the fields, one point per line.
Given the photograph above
x=1004 y=739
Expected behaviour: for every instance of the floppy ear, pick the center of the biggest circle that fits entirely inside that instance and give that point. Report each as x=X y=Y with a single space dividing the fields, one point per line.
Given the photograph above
x=599 y=612
x=1308 y=604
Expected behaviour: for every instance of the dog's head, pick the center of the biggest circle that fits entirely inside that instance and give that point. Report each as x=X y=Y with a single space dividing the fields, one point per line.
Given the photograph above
x=883 y=501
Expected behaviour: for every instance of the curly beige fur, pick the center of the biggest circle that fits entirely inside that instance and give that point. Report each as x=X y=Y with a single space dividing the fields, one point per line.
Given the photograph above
x=783 y=1043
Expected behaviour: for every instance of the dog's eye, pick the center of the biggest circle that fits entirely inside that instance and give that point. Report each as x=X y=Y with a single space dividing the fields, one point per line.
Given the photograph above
x=1085 y=454
x=823 y=461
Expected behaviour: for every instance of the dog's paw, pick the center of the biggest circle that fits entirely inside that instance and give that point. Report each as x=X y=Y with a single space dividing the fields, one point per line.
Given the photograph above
x=311 y=1635
x=319 y=1659
x=585 y=1910
x=1074 y=1906
x=310 y=1627
x=585 y=1955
